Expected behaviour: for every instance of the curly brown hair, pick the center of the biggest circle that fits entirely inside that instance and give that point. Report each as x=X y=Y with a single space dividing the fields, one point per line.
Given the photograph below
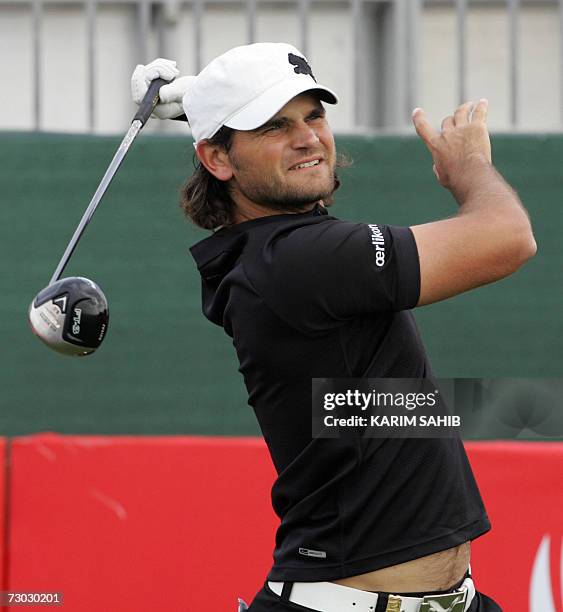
x=206 y=200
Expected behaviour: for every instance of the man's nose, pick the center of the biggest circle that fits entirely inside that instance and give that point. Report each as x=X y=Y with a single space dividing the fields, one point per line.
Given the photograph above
x=304 y=135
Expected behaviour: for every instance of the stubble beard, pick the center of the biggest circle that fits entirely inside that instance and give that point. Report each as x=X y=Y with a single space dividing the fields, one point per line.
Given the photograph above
x=271 y=193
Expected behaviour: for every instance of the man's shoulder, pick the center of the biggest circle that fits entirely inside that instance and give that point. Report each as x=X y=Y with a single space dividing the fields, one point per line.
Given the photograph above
x=309 y=234
x=302 y=252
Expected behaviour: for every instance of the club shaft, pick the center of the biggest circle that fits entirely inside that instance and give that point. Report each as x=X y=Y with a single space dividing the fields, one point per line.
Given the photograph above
x=102 y=187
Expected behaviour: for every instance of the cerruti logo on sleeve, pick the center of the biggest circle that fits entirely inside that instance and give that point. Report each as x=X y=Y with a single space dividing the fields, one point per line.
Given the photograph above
x=379 y=244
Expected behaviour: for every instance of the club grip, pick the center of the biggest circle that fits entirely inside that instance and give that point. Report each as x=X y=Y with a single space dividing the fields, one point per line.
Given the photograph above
x=149 y=101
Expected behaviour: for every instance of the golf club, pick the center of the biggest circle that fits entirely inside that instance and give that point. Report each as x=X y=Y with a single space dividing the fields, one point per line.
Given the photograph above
x=71 y=315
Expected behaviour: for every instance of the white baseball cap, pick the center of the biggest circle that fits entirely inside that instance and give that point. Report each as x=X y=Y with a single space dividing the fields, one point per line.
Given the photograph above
x=247 y=86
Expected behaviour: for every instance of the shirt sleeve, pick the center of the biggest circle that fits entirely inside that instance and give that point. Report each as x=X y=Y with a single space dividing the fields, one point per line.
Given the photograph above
x=322 y=276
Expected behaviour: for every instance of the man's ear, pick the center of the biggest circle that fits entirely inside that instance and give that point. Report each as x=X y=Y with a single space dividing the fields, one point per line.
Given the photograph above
x=215 y=159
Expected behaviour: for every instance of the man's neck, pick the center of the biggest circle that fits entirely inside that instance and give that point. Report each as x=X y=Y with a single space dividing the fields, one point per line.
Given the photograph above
x=246 y=211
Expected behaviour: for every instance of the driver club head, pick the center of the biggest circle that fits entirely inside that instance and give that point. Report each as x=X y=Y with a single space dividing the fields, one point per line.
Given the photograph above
x=70 y=316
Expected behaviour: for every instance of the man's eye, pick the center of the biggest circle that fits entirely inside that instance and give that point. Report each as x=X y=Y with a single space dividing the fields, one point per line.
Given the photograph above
x=271 y=128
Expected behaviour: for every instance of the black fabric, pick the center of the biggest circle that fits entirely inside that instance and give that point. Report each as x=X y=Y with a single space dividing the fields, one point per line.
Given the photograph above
x=382 y=602
x=286 y=591
x=267 y=601
x=309 y=296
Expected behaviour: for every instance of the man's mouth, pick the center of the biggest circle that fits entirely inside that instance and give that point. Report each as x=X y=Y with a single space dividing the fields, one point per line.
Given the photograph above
x=306 y=164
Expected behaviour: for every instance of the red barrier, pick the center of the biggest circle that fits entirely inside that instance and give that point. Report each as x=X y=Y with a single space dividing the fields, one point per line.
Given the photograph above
x=137 y=524
x=520 y=561
x=3 y=525
x=132 y=524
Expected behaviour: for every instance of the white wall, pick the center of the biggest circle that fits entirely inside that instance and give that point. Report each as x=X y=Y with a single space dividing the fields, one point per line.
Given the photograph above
x=16 y=61
x=488 y=65
x=64 y=83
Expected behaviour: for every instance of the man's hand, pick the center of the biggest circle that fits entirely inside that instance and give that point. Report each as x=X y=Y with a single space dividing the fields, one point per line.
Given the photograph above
x=463 y=140
x=170 y=105
x=491 y=236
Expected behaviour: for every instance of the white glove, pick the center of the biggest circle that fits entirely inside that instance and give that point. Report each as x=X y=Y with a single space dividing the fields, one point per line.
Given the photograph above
x=171 y=95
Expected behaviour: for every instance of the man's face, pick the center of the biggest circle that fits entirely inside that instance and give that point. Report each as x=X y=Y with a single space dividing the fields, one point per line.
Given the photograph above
x=287 y=163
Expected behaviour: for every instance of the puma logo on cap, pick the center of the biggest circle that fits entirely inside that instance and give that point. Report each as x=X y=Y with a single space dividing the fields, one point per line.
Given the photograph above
x=301 y=65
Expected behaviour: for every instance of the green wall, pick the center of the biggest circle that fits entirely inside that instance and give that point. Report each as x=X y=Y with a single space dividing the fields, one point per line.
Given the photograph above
x=163 y=368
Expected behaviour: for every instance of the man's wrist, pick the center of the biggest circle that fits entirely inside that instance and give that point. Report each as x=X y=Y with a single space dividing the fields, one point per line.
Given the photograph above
x=474 y=174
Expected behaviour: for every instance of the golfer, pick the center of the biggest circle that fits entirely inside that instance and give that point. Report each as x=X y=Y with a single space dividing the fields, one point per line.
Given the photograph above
x=367 y=525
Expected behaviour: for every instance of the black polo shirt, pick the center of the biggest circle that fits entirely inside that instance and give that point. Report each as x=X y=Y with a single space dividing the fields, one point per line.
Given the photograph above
x=309 y=296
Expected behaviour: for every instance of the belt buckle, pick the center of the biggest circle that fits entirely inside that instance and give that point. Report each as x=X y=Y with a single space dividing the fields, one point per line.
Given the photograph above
x=393 y=604
x=451 y=602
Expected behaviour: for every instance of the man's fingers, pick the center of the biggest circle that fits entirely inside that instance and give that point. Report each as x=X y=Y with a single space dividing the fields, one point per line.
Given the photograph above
x=175 y=91
x=163 y=71
x=138 y=85
x=480 y=111
x=462 y=114
x=161 y=68
x=448 y=123
x=423 y=127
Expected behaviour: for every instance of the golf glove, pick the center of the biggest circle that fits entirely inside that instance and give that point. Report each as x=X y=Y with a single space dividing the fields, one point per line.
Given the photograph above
x=170 y=105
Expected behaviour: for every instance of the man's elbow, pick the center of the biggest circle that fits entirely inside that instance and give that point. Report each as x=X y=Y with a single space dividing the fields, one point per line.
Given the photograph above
x=524 y=247
x=532 y=247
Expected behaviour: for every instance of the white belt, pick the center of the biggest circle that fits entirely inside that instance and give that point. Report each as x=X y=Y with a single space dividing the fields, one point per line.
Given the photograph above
x=331 y=597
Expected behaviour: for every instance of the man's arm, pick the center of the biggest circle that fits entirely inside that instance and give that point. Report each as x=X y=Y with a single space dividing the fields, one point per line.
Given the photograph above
x=491 y=236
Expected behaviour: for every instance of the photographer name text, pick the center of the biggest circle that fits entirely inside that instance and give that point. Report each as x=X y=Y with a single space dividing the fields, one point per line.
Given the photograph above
x=407 y=420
